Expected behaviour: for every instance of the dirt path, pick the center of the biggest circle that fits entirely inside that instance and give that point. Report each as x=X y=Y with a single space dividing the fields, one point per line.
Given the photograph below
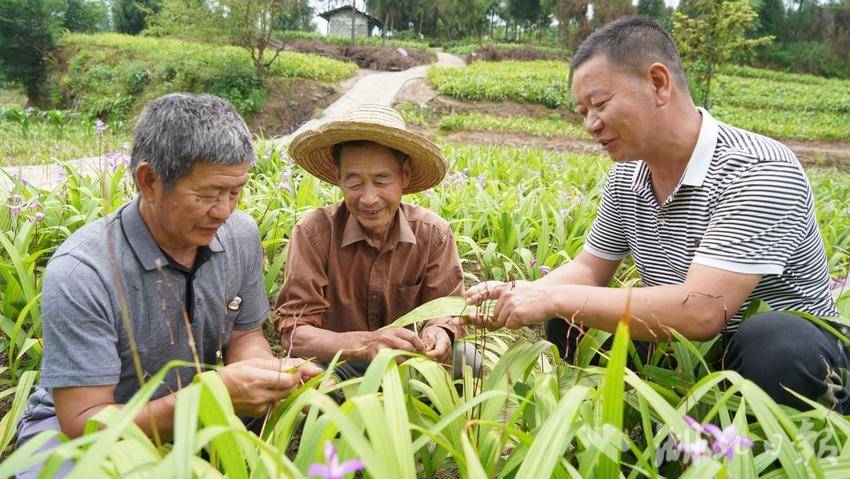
x=378 y=88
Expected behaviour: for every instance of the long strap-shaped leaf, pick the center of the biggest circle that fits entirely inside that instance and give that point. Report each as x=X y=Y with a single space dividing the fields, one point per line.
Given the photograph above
x=553 y=437
x=612 y=391
x=448 y=306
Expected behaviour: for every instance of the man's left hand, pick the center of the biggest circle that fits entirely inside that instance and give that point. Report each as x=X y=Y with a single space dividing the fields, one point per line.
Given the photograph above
x=438 y=344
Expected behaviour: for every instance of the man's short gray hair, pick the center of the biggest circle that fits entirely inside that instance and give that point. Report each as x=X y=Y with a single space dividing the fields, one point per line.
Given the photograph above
x=176 y=130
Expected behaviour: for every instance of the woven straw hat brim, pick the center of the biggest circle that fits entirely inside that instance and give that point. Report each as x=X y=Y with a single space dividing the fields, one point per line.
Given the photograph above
x=312 y=149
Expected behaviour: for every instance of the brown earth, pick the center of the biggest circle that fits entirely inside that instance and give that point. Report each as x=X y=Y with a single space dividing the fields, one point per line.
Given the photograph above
x=813 y=154
x=291 y=102
x=492 y=53
x=374 y=57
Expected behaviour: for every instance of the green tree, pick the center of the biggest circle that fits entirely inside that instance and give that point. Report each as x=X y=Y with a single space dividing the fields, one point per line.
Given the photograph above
x=771 y=14
x=839 y=35
x=245 y=23
x=605 y=11
x=573 y=22
x=28 y=32
x=86 y=16
x=655 y=9
x=714 y=34
x=297 y=16
x=131 y=16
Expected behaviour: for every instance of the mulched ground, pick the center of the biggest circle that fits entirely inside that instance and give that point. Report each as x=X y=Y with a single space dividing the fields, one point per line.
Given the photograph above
x=373 y=57
x=492 y=53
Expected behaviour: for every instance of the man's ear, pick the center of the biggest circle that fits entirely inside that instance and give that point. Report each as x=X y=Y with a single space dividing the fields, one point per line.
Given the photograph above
x=148 y=181
x=337 y=174
x=406 y=170
x=662 y=83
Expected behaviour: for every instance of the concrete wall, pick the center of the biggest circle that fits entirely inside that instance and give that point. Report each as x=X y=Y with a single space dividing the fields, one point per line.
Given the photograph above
x=340 y=24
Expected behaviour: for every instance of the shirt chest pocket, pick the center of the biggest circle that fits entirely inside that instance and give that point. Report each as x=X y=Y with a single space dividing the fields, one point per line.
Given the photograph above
x=406 y=296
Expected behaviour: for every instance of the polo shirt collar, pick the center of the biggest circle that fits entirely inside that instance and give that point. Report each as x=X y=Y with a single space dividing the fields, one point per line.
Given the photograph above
x=141 y=241
x=703 y=152
x=699 y=162
x=354 y=232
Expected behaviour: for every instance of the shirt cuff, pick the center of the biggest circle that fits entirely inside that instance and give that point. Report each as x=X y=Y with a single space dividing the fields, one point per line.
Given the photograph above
x=737 y=267
x=53 y=381
x=603 y=255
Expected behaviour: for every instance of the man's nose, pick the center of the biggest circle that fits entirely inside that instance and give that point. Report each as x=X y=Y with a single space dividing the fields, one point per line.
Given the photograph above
x=592 y=123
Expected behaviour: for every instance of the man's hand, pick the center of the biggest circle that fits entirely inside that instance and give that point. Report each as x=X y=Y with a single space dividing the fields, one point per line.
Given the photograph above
x=393 y=338
x=490 y=290
x=519 y=303
x=437 y=344
x=257 y=383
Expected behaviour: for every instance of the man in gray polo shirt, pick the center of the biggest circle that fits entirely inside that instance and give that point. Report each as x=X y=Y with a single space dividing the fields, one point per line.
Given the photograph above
x=713 y=216
x=188 y=269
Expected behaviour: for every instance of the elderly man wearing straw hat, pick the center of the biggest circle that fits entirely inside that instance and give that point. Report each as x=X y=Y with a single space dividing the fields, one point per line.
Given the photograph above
x=356 y=266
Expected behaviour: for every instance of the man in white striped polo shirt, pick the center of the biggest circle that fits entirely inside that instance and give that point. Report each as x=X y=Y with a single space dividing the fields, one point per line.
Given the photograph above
x=713 y=216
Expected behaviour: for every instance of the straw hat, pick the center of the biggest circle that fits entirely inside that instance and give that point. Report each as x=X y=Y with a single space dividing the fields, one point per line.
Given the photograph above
x=312 y=149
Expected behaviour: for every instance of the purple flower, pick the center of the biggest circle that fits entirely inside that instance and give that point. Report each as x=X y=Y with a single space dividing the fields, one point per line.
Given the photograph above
x=36 y=218
x=544 y=270
x=580 y=199
x=726 y=441
x=99 y=127
x=15 y=210
x=533 y=263
x=481 y=180
x=696 y=426
x=332 y=469
x=15 y=199
x=694 y=450
x=284 y=187
x=838 y=284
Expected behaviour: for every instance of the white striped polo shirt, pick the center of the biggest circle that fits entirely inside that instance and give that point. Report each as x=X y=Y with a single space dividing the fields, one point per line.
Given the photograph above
x=744 y=204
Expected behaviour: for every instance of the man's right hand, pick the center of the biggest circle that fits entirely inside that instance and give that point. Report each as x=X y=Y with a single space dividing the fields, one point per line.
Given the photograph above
x=257 y=383
x=393 y=338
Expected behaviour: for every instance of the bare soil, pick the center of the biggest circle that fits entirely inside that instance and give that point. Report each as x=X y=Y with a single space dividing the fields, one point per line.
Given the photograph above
x=491 y=53
x=374 y=57
x=289 y=103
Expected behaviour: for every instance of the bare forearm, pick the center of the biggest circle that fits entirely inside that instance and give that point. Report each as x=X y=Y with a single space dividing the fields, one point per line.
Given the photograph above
x=311 y=342
x=159 y=412
x=246 y=345
x=654 y=310
x=585 y=269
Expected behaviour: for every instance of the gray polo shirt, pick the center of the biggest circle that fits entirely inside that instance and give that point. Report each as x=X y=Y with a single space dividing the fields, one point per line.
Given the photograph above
x=85 y=337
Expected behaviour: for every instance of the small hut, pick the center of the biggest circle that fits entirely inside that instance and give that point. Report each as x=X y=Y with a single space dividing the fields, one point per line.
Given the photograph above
x=339 y=22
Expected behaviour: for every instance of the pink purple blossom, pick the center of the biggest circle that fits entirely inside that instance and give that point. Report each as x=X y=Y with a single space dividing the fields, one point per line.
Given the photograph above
x=99 y=127
x=725 y=442
x=332 y=469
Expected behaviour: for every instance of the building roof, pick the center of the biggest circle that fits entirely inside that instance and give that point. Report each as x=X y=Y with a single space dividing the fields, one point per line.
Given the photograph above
x=327 y=15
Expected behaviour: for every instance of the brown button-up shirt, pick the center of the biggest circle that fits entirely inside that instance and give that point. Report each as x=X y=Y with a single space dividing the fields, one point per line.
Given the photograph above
x=337 y=281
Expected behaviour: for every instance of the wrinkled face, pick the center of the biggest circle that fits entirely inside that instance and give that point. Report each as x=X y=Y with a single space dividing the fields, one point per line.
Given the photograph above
x=372 y=183
x=618 y=108
x=198 y=204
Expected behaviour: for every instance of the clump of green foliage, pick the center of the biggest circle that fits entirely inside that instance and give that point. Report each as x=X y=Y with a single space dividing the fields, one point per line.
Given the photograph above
x=110 y=76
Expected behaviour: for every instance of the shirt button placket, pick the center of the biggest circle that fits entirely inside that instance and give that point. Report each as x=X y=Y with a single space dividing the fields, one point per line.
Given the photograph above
x=374 y=296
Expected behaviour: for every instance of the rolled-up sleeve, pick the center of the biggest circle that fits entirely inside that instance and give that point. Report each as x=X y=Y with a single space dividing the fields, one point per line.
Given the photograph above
x=80 y=339
x=302 y=300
